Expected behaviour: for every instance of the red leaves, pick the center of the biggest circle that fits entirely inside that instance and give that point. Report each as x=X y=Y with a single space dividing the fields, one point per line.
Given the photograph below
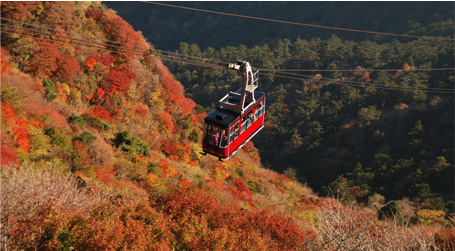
x=119 y=30
x=19 y=11
x=132 y=227
x=44 y=62
x=18 y=127
x=141 y=110
x=4 y=60
x=107 y=60
x=8 y=156
x=90 y=63
x=101 y=113
x=187 y=105
x=49 y=61
x=242 y=187
x=94 y=13
x=285 y=233
x=201 y=221
x=169 y=147
x=68 y=67
x=119 y=79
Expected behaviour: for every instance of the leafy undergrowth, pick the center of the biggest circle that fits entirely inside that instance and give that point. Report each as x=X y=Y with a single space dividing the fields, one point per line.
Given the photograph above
x=100 y=149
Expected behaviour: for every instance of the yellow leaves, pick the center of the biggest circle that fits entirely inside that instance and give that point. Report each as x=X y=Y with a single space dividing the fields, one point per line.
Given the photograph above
x=66 y=89
x=39 y=9
x=428 y=216
x=220 y=174
x=152 y=179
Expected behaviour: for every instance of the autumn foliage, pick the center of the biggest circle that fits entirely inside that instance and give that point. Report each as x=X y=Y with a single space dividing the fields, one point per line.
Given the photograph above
x=119 y=79
x=100 y=150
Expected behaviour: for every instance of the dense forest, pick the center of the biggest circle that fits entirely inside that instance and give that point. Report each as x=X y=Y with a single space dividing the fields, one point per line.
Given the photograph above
x=394 y=142
x=101 y=144
x=367 y=119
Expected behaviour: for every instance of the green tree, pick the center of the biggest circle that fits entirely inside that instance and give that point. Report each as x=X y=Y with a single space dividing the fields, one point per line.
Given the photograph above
x=391 y=211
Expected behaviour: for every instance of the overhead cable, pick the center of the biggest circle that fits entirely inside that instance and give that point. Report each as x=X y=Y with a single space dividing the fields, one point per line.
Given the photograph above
x=296 y=23
x=173 y=58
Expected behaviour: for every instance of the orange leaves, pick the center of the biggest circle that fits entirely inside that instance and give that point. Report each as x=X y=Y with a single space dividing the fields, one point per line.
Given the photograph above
x=445 y=239
x=168 y=147
x=90 y=63
x=167 y=170
x=101 y=113
x=18 y=128
x=44 y=62
x=141 y=110
x=119 y=79
x=8 y=156
x=4 y=61
x=68 y=67
x=116 y=227
x=187 y=105
x=167 y=123
x=106 y=59
x=200 y=220
x=119 y=30
x=49 y=61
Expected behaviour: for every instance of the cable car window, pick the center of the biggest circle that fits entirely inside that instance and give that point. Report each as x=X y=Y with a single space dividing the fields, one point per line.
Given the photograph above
x=213 y=135
x=244 y=123
x=260 y=109
x=204 y=131
x=234 y=132
x=224 y=138
x=247 y=121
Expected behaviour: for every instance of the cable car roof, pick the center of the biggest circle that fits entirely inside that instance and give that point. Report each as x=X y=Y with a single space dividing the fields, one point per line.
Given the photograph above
x=224 y=117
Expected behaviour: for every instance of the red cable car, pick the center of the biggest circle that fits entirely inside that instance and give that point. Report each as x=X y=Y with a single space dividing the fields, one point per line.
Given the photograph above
x=237 y=118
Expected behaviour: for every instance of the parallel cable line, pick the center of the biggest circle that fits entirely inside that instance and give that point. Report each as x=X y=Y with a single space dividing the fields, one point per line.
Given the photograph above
x=213 y=60
x=71 y=33
x=364 y=83
x=170 y=58
x=369 y=70
x=296 y=23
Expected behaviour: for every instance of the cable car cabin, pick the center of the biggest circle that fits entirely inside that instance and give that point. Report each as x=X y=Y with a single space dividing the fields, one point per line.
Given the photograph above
x=237 y=118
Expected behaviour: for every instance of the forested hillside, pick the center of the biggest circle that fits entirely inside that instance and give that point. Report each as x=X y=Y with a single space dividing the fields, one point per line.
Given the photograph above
x=361 y=131
x=168 y=26
x=100 y=150
x=368 y=116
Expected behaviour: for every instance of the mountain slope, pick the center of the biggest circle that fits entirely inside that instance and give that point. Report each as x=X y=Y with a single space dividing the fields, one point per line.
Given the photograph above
x=100 y=150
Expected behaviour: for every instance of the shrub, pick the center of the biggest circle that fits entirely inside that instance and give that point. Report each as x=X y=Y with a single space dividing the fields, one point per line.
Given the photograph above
x=96 y=123
x=76 y=119
x=60 y=139
x=130 y=144
x=44 y=62
x=85 y=137
x=49 y=87
x=38 y=192
x=239 y=171
x=11 y=97
x=119 y=79
x=194 y=136
x=101 y=152
x=391 y=210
